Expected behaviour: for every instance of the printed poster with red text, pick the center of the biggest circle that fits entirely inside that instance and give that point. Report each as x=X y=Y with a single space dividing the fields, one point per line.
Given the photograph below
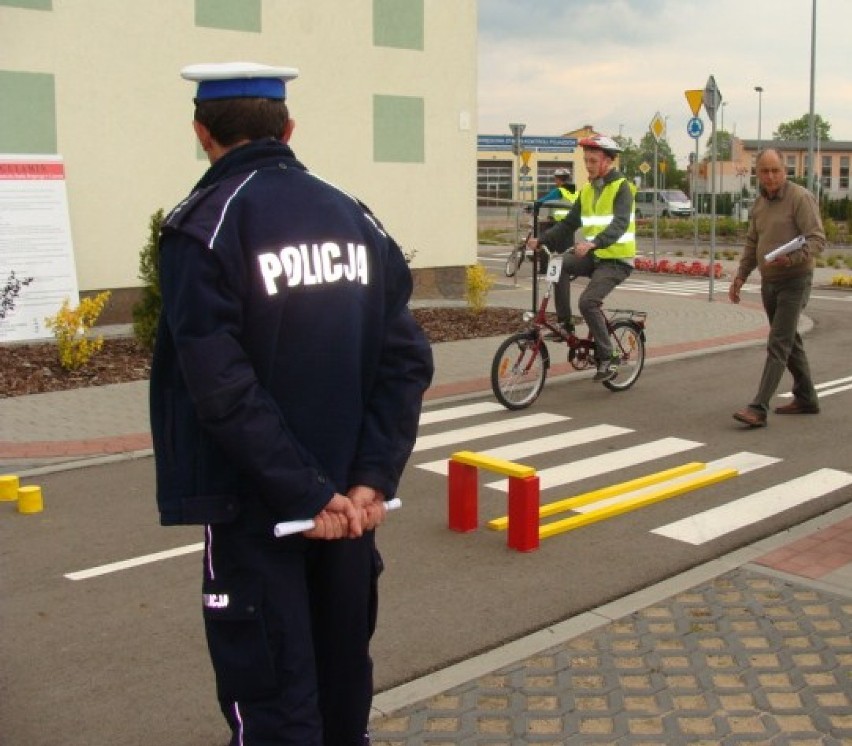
x=37 y=271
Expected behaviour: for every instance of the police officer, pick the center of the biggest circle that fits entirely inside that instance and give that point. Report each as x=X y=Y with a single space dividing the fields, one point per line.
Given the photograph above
x=287 y=381
x=604 y=218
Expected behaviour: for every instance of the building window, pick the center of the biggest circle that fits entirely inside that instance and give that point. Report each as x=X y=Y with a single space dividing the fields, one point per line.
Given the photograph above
x=398 y=23
x=232 y=15
x=790 y=165
x=493 y=182
x=544 y=175
x=28 y=113
x=29 y=4
x=844 y=172
x=398 y=129
x=825 y=175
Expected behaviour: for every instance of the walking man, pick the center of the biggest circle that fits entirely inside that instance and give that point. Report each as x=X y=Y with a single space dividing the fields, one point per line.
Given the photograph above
x=782 y=212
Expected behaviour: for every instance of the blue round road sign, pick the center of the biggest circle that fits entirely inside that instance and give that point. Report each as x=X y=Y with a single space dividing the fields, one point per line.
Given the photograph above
x=695 y=127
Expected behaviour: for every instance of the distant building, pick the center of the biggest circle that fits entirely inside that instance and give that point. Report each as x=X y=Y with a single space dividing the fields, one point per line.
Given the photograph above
x=503 y=176
x=832 y=160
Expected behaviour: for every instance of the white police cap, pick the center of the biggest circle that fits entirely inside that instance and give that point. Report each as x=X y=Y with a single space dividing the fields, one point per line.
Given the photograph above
x=239 y=80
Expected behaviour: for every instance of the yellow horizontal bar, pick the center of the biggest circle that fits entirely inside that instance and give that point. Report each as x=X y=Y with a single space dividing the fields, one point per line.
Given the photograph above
x=577 y=521
x=569 y=503
x=498 y=465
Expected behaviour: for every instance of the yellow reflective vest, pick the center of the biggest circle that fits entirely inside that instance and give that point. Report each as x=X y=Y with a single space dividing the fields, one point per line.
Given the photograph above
x=569 y=196
x=598 y=215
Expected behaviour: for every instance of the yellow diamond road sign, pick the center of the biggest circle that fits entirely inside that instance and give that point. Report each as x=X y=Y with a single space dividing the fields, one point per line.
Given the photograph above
x=658 y=126
x=695 y=99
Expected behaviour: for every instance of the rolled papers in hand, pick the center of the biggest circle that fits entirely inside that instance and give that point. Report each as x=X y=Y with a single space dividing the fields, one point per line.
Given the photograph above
x=797 y=243
x=287 y=528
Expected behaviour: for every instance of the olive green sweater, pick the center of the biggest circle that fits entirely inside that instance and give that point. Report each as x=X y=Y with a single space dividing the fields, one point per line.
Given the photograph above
x=777 y=220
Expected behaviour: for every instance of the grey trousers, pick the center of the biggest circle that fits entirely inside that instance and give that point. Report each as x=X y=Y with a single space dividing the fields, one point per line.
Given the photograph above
x=603 y=276
x=784 y=303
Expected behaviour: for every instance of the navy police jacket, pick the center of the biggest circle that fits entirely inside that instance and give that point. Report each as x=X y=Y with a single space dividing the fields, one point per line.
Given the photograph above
x=287 y=366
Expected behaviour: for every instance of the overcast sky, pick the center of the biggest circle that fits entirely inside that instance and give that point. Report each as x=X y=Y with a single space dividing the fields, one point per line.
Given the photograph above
x=556 y=65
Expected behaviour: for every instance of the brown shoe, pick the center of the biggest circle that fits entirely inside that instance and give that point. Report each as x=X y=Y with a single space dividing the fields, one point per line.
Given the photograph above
x=751 y=417
x=797 y=407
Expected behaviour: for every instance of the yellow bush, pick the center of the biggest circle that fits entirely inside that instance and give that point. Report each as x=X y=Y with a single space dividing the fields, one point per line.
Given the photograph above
x=70 y=327
x=477 y=287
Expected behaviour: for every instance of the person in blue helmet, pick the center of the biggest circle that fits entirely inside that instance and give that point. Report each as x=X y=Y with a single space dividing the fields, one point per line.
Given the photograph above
x=563 y=192
x=287 y=381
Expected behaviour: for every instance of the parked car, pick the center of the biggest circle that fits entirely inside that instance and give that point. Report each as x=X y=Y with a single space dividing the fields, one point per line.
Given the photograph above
x=668 y=203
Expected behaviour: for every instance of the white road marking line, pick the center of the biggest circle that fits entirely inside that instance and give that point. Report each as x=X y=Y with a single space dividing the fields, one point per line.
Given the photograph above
x=711 y=524
x=608 y=462
x=743 y=462
x=821 y=387
x=145 y=559
x=463 y=434
x=454 y=413
x=535 y=446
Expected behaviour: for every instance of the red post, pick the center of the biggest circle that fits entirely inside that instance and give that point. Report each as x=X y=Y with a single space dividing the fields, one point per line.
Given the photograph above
x=522 y=533
x=462 y=497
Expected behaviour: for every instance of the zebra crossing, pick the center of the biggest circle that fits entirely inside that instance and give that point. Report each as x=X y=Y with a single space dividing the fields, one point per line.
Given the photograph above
x=698 y=528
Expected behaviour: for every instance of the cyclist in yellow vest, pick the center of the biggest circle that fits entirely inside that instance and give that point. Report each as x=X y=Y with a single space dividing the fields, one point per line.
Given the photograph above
x=601 y=227
x=564 y=191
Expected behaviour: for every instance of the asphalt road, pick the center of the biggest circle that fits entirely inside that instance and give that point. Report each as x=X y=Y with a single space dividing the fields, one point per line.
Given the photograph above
x=119 y=657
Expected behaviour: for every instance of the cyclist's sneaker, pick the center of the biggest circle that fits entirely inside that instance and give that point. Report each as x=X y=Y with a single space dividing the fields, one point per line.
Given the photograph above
x=606 y=371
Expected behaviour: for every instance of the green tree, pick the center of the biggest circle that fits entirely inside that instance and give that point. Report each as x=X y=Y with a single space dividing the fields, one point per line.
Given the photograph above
x=630 y=158
x=669 y=175
x=799 y=129
x=723 y=146
x=146 y=312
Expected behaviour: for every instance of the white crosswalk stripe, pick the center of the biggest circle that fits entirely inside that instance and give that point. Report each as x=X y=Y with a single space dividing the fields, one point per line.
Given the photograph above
x=827 y=388
x=476 y=432
x=742 y=462
x=695 y=529
x=711 y=524
x=536 y=446
x=605 y=463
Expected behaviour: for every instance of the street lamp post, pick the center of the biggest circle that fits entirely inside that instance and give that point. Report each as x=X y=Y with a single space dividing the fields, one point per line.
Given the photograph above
x=759 y=90
x=517 y=131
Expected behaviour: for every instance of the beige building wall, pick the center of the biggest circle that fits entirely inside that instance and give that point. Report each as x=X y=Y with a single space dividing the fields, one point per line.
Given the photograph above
x=123 y=113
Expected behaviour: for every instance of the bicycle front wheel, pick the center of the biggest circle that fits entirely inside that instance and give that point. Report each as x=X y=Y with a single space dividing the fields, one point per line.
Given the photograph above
x=628 y=345
x=519 y=369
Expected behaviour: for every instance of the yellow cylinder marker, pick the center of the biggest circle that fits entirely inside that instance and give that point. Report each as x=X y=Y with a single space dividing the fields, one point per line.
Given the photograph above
x=9 y=484
x=29 y=499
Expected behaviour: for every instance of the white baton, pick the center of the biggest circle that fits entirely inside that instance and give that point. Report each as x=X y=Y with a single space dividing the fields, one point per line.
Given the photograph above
x=288 y=528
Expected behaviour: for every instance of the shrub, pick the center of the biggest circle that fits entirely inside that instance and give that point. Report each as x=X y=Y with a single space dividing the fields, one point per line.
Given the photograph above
x=477 y=285
x=146 y=312
x=71 y=328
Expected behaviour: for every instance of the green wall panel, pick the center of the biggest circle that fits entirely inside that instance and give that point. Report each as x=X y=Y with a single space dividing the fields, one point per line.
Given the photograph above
x=27 y=113
x=29 y=4
x=398 y=129
x=233 y=15
x=398 y=23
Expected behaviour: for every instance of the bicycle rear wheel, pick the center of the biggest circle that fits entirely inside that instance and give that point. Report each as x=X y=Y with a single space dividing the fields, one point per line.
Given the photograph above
x=519 y=369
x=628 y=345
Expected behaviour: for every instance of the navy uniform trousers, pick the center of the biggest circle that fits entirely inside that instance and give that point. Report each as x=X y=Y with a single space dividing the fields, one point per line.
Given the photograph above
x=286 y=621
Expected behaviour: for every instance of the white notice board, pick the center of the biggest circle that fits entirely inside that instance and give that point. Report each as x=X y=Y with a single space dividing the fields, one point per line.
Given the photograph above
x=37 y=270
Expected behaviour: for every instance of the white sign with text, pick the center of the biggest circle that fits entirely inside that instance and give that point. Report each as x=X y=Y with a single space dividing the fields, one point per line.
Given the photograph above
x=37 y=271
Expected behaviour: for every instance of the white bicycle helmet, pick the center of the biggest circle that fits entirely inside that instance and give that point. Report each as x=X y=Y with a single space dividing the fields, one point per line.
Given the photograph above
x=563 y=172
x=601 y=142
